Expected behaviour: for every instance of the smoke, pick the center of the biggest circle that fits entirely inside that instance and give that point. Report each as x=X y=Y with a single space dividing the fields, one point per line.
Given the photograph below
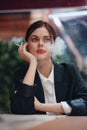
x=57 y=48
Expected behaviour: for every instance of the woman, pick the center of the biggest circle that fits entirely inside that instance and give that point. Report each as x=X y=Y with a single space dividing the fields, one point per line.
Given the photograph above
x=43 y=86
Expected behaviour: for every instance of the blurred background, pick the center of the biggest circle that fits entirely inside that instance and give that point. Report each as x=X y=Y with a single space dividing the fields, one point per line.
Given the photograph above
x=68 y=18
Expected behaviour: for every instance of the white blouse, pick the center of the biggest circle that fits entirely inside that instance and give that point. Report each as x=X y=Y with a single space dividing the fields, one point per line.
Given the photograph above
x=49 y=92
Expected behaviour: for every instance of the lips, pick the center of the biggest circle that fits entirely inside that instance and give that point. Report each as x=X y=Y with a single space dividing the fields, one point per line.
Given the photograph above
x=41 y=51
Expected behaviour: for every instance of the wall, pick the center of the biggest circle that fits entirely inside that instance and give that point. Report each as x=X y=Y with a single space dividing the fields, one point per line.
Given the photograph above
x=29 y=4
x=14 y=24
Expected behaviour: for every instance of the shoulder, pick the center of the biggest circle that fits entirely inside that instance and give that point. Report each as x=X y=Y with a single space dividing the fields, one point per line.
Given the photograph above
x=67 y=67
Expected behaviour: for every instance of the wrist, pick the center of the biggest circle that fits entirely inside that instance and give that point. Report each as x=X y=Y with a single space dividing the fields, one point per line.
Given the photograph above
x=33 y=63
x=37 y=104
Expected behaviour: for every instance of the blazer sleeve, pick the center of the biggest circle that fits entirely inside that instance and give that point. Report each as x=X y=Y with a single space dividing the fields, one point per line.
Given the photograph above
x=22 y=100
x=79 y=102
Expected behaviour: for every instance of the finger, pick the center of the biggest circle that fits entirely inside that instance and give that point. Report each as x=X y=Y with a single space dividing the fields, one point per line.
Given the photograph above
x=34 y=98
x=20 y=49
x=25 y=47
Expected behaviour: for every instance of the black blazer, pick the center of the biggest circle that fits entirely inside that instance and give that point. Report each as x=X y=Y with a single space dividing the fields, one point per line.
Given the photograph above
x=69 y=87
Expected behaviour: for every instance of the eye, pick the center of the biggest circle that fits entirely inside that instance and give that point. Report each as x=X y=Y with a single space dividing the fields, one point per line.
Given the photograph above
x=47 y=39
x=34 y=39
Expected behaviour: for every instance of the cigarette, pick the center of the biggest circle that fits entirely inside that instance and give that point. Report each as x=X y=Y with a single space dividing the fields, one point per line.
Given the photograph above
x=17 y=44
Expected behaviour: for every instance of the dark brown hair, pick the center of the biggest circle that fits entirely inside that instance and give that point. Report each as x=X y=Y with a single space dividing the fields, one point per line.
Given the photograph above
x=39 y=24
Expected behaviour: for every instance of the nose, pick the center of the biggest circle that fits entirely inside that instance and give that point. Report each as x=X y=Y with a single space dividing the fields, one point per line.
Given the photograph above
x=41 y=43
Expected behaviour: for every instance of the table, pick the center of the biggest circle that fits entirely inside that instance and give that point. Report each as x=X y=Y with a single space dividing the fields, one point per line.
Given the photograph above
x=63 y=123
x=42 y=122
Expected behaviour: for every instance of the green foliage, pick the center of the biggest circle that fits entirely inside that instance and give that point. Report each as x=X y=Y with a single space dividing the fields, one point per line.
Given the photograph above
x=9 y=60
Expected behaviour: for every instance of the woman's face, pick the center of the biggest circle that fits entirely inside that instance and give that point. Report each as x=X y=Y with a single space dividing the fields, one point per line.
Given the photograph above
x=38 y=42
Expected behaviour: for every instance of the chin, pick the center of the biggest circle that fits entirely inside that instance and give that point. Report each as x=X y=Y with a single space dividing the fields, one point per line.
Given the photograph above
x=43 y=57
x=40 y=59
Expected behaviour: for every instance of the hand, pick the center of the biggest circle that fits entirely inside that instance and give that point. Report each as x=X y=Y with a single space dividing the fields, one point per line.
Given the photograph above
x=24 y=53
x=50 y=107
x=37 y=104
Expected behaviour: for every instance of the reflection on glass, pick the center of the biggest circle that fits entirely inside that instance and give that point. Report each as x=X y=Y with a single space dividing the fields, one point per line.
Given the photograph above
x=72 y=27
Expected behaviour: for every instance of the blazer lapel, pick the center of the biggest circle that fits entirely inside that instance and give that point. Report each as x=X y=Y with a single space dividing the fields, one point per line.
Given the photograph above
x=59 y=76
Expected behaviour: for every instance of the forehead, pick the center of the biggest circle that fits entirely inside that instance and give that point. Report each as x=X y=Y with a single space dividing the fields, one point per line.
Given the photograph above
x=42 y=31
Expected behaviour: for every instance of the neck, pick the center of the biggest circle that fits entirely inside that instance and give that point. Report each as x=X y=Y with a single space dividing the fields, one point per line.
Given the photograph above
x=45 y=67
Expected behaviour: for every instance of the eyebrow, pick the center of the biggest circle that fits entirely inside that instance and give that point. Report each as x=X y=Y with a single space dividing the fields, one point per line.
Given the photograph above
x=37 y=36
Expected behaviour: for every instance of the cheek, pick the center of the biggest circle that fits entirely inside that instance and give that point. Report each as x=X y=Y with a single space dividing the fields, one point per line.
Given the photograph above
x=49 y=47
x=49 y=54
x=31 y=48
